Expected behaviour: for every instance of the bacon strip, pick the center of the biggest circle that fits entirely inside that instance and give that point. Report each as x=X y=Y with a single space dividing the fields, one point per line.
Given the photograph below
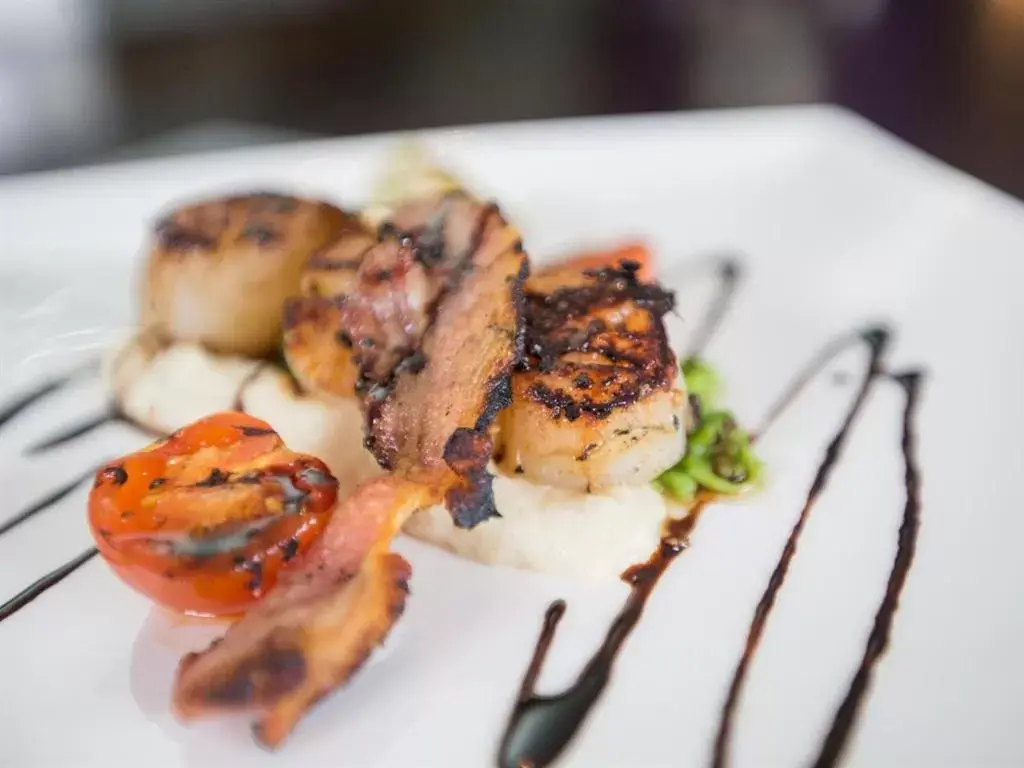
x=427 y=323
x=318 y=627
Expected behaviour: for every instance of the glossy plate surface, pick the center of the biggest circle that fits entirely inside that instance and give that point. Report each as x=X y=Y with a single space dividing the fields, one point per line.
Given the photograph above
x=836 y=224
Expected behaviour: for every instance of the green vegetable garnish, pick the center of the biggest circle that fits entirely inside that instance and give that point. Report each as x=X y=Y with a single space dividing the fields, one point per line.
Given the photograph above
x=718 y=456
x=702 y=381
x=678 y=485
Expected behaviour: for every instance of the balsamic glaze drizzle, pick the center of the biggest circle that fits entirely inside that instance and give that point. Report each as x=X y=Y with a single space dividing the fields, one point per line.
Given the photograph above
x=878 y=641
x=26 y=400
x=729 y=275
x=51 y=579
x=871 y=336
x=74 y=431
x=541 y=727
x=877 y=339
x=250 y=377
x=48 y=501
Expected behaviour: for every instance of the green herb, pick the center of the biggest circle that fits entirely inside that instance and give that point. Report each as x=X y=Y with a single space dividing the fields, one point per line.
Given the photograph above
x=719 y=457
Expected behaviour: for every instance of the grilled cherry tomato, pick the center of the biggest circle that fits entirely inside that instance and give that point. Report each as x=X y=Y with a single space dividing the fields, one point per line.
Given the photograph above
x=635 y=252
x=203 y=521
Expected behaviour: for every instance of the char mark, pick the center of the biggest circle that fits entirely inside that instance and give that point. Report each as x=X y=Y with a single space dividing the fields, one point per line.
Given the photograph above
x=260 y=680
x=216 y=477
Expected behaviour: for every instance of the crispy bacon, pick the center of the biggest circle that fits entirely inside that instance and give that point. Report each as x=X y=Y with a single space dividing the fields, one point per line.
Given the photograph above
x=425 y=325
x=326 y=616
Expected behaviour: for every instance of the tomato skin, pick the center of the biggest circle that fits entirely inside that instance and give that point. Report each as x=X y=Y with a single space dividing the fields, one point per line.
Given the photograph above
x=635 y=252
x=204 y=521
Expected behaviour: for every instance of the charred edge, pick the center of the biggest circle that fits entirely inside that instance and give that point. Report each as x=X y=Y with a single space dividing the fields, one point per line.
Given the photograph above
x=499 y=394
x=561 y=403
x=274 y=202
x=289 y=550
x=588 y=449
x=398 y=600
x=115 y=474
x=473 y=502
x=156 y=483
x=547 y=340
x=343 y=339
x=323 y=261
x=259 y=232
x=176 y=237
x=613 y=285
x=467 y=451
x=467 y=454
x=295 y=310
x=499 y=397
x=375 y=395
x=312 y=309
x=260 y=680
x=256 y=431
x=255 y=583
x=403 y=584
x=414 y=362
x=216 y=477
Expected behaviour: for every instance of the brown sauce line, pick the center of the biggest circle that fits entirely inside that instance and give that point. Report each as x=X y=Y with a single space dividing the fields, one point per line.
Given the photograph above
x=250 y=377
x=71 y=432
x=730 y=273
x=22 y=402
x=48 y=501
x=541 y=727
x=877 y=339
x=878 y=641
x=872 y=336
x=113 y=415
x=40 y=586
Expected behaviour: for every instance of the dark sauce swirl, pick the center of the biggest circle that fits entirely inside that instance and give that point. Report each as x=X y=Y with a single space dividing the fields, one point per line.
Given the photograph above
x=878 y=641
x=877 y=340
x=34 y=590
x=541 y=727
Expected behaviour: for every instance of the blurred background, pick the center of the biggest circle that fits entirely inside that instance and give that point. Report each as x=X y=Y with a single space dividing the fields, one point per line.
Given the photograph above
x=86 y=81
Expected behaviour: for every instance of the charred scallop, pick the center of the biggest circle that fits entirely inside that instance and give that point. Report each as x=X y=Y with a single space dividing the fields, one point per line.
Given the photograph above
x=219 y=271
x=598 y=400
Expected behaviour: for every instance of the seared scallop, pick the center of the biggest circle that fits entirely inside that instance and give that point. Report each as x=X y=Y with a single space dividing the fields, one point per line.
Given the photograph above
x=219 y=271
x=316 y=346
x=599 y=400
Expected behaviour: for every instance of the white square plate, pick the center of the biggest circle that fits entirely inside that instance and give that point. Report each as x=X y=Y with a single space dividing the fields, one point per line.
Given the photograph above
x=837 y=225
